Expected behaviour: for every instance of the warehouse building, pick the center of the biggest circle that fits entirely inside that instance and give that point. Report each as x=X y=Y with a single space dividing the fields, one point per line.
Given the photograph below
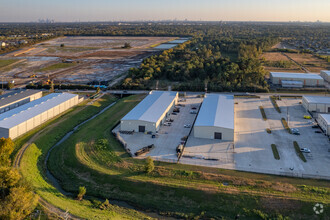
x=324 y=122
x=15 y=99
x=150 y=113
x=22 y=119
x=307 y=79
x=320 y=104
x=215 y=119
x=326 y=75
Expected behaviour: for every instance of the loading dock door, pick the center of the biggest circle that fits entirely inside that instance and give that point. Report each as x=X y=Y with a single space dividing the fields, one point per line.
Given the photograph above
x=328 y=109
x=142 y=128
x=217 y=135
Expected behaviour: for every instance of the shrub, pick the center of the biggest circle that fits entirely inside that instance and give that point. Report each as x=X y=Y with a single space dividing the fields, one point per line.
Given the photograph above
x=81 y=193
x=300 y=154
x=263 y=113
x=273 y=100
x=275 y=152
x=150 y=165
x=285 y=125
x=269 y=131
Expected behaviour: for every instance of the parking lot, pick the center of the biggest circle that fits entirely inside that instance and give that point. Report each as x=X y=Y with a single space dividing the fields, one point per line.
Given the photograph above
x=169 y=137
x=251 y=150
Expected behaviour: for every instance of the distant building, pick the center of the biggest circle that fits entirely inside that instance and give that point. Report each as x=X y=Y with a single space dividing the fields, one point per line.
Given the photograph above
x=15 y=99
x=150 y=113
x=215 y=119
x=18 y=121
x=320 y=104
x=307 y=79
x=326 y=75
x=324 y=122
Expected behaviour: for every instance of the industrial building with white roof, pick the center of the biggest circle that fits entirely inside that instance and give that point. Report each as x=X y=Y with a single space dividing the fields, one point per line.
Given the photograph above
x=150 y=113
x=320 y=104
x=307 y=79
x=324 y=122
x=326 y=75
x=215 y=119
x=17 y=98
x=22 y=119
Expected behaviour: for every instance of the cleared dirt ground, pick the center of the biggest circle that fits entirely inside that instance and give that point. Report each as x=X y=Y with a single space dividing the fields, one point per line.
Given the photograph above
x=310 y=62
x=96 y=58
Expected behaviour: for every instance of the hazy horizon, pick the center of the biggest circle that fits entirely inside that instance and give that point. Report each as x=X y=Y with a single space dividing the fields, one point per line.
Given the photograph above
x=156 y=10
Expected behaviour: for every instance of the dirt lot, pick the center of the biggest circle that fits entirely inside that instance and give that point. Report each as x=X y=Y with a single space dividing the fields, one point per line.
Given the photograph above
x=97 y=58
x=310 y=62
x=277 y=56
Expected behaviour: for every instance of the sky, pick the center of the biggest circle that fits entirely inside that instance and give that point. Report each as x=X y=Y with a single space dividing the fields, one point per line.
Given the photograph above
x=129 y=10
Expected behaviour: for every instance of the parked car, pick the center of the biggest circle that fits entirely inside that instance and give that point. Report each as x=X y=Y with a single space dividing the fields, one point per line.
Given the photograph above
x=318 y=132
x=305 y=150
x=193 y=112
x=187 y=126
x=167 y=124
x=174 y=113
x=315 y=126
x=307 y=117
x=295 y=131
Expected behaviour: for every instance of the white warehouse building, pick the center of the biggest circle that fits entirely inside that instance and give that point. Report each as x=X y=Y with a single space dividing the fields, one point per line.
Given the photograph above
x=215 y=119
x=150 y=113
x=326 y=75
x=320 y=104
x=20 y=120
x=307 y=79
x=324 y=122
x=12 y=100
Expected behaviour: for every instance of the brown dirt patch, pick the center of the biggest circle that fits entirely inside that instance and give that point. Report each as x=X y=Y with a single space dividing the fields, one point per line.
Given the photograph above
x=112 y=54
x=309 y=61
x=275 y=204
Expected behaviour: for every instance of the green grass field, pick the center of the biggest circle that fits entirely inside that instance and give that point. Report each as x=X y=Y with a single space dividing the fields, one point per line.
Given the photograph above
x=92 y=157
x=4 y=63
x=57 y=66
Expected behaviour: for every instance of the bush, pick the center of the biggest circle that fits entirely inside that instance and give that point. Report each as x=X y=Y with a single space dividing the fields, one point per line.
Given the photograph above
x=286 y=126
x=273 y=100
x=263 y=113
x=300 y=154
x=81 y=193
x=269 y=131
x=275 y=152
x=150 y=165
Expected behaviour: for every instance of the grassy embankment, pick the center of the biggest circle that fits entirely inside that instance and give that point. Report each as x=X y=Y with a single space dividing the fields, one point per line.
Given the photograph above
x=93 y=158
x=4 y=63
x=32 y=166
x=273 y=100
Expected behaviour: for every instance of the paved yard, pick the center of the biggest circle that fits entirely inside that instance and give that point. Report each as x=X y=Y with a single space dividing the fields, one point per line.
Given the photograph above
x=169 y=137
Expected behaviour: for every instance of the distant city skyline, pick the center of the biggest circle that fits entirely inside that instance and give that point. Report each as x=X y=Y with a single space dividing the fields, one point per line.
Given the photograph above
x=148 y=10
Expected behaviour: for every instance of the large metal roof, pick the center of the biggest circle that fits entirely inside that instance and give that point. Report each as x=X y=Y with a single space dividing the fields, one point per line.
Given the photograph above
x=217 y=110
x=326 y=117
x=152 y=107
x=296 y=75
x=25 y=112
x=317 y=99
x=15 y=96
x=327 y=72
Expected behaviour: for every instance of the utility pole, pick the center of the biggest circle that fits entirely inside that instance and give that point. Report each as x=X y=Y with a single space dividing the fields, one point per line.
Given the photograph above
x=157 y=83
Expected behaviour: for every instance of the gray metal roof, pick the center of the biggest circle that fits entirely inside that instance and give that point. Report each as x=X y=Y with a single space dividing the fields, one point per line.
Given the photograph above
x=317 y=99
x=327 y=72
x=152 y=107
x=15 y=96
x=296 y=75
x=217 y=110
x=25 y=112
x=326 y=117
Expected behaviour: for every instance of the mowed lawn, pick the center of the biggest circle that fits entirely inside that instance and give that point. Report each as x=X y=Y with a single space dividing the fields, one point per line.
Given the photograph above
x=32 y=167
x=57 y=66
x=4 y=63
x=93 y=158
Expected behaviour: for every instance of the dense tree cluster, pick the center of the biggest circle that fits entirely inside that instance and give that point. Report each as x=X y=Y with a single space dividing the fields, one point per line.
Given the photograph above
x=201 y=60
x=16 y=197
